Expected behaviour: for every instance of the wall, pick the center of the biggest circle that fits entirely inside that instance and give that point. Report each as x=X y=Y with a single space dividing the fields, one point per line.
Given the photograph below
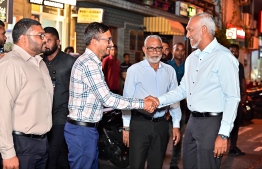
x=112 y=17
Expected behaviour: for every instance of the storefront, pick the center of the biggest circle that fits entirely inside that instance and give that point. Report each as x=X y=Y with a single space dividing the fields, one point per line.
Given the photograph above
x=55 y=13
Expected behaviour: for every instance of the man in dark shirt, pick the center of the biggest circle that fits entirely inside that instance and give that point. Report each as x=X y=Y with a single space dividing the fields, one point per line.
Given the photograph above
x=233 y=149
x=165 y=51
x=124 y=66
x=59 y=65
x=179 y=65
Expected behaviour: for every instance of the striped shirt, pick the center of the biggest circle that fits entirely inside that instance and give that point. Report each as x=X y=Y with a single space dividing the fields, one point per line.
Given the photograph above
x=88 y=91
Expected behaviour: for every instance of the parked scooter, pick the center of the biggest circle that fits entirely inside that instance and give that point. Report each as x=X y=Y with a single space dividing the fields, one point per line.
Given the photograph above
x=111 y=141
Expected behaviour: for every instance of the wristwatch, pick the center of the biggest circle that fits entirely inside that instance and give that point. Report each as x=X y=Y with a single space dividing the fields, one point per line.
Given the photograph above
x=126 y=128
x=224 y=137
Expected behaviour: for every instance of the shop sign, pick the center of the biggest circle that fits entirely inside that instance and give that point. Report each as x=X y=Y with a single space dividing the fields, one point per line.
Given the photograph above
x=3 y=10
x=231 y=33
x=181 y=8
x=88 y=15
x=47 y=3
x=70 y=2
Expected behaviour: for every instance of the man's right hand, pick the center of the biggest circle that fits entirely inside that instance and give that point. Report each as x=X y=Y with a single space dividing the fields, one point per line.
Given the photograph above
x=150 y=104
x=11 y=163
x=126 y=138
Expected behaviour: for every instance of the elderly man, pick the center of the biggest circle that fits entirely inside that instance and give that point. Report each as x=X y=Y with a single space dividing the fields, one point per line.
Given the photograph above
x=149 y=134
x=211 y=86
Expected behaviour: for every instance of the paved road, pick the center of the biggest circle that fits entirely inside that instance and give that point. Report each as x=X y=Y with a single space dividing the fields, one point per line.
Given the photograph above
x=250 y=141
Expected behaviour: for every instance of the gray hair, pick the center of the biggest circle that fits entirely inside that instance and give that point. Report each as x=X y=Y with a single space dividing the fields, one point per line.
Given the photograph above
x=152 y=36
x=207 y=20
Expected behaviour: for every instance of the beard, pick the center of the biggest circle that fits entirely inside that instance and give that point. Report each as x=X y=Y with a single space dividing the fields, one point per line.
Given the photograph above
x=50 y=51
x=154 y=59
x=34 y=46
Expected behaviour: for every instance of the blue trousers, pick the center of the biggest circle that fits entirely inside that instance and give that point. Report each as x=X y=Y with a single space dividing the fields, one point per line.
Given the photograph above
x=82 y=146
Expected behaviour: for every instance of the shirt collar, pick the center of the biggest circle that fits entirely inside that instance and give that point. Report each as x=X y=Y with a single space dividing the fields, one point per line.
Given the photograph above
x=26 y=56
x=93 y=56
x=145 y=63
x=210 y=47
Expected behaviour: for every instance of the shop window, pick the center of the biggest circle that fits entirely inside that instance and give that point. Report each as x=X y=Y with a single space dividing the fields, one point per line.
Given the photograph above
x=136 y=40
x=132 y=40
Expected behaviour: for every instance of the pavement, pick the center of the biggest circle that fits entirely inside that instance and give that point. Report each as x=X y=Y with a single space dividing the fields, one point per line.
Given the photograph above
x=249 y=141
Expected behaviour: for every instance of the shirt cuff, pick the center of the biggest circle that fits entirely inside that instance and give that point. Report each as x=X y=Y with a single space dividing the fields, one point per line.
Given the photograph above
x=176 y=123
x=162 y=101
x=8 y=154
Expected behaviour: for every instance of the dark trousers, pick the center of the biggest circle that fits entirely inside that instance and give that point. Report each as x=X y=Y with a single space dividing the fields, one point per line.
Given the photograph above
x=234 y=132
x=148 y=141
x=57 y=156
x=82 y=146
x=176 y=151
x=31 y=152
x=199 y=141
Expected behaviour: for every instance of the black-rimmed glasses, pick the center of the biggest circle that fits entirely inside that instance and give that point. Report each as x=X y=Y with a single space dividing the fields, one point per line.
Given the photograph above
x=152 y=49
x=108 y=39
x=42 y=35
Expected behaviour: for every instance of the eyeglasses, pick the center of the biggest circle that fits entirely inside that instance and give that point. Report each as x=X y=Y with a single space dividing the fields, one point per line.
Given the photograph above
x=42 y=35
x=108 y=39
x=152 y=49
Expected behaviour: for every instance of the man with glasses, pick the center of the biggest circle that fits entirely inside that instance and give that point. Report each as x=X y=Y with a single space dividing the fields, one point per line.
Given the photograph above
x=147 y=134
x=26 y=109
x=88 y=93
x=59 y=65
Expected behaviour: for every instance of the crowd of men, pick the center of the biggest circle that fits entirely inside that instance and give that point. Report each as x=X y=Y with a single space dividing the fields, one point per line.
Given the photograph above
x=54 y=101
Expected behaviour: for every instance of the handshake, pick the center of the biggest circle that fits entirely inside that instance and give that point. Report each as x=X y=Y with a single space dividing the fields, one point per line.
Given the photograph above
x=150 y=103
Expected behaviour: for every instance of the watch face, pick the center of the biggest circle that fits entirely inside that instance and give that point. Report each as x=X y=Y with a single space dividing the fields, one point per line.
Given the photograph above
x=223 y=137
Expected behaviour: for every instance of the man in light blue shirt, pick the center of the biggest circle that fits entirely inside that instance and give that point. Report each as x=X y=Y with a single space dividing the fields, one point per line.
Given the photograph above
x=211 y=86
x=149 y=134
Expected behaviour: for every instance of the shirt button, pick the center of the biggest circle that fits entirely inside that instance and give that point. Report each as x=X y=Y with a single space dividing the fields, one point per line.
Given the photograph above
x=190 y=93
x=193 y=82
x=190 y=105
x=197 y=70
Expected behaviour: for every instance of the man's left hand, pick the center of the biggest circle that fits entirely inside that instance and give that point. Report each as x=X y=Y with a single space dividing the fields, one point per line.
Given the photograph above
x=176 y=136
x=220 y=146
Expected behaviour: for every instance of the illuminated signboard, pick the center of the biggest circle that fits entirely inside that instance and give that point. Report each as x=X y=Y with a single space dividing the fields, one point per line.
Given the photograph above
x=240 y=33
x=88 y=15
x=70 y=2
x=181 y=8
x=47 y=3
x=3 y=10
x=191 y=10
x=231 y=33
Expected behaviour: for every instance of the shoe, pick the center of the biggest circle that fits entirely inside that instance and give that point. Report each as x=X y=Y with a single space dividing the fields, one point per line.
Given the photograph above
x=174 y=167
x=236 y=152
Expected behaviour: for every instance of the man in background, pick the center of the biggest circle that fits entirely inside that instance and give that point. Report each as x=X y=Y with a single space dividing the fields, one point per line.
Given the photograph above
x=178 y=64
x=2 y=38
x=233 y=149
x=111 y=69
x=59 y=65
x=26 y=110
x=165 y=51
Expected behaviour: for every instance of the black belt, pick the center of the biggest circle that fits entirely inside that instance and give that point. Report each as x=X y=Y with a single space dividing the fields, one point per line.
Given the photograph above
x=81 y=123
x=205 y=114
x=157 y=119
x=18 y=133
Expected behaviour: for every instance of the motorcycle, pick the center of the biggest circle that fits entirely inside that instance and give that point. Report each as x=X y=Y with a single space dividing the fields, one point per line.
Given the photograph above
x=110 y=138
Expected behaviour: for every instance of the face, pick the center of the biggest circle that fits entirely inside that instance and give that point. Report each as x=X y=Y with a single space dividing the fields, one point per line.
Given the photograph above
x=35 y=42
x=127 y=58
x=113 y=52
x=153 y=50
x=2 y=36
x=178 y=51
x=165 y=50
x=104 y=44
x=51 y=45
x=194 y=33
x=235 y=52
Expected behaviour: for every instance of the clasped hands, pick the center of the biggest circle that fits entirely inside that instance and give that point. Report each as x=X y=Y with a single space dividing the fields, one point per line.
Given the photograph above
x=150 y=103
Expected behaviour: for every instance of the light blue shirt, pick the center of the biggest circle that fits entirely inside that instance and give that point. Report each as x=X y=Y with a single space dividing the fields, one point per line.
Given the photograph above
x=142 y=80
x=210 y=84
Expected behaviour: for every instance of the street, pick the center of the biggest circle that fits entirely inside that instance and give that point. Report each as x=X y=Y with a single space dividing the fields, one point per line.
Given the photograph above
x=249 y=141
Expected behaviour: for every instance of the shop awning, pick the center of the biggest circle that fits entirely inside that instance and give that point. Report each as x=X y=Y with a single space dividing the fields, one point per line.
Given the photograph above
x=163 y=26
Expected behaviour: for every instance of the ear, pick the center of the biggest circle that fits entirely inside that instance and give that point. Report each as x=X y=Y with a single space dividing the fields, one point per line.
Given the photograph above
x=204 y=29
x=144 y=49
x=58 y=42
